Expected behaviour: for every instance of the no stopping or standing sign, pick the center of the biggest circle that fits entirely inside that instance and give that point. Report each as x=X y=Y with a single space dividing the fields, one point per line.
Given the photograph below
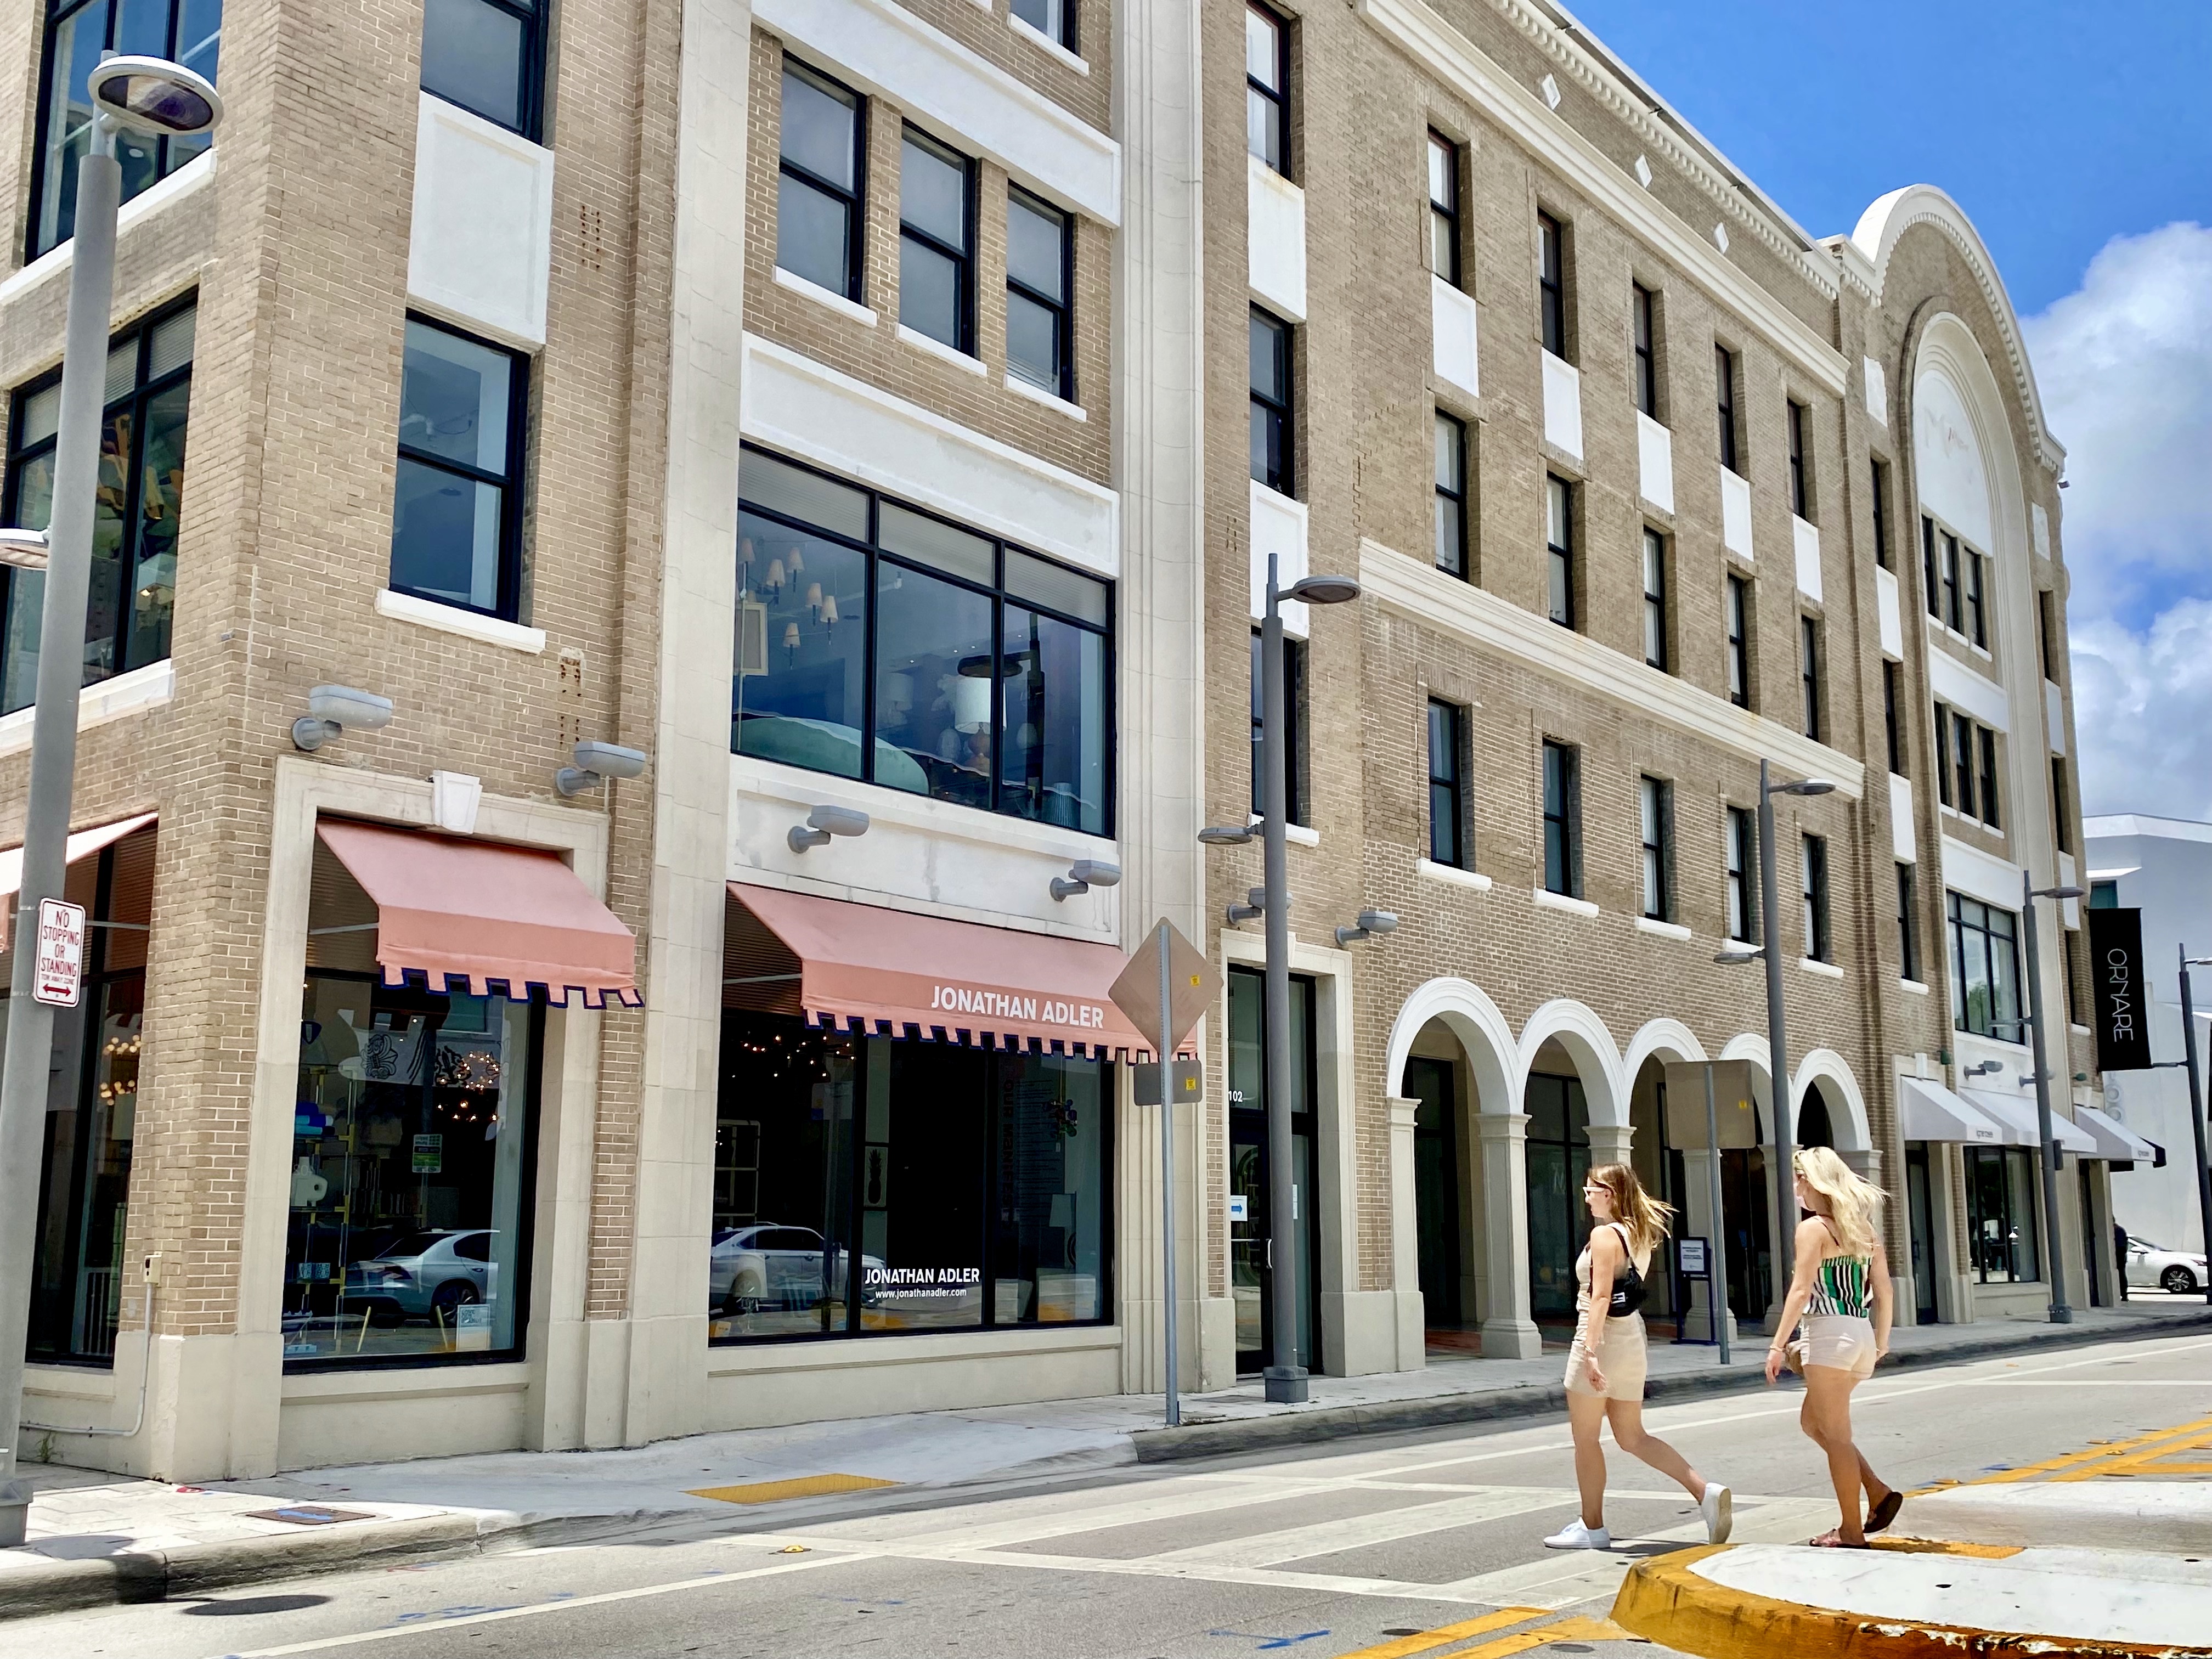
x=59 y=969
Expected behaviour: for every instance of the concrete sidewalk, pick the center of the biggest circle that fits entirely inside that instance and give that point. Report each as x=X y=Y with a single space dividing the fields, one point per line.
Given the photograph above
x=97 y=1539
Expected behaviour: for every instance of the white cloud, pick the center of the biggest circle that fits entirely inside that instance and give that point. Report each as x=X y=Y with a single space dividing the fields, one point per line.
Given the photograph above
x=2124 y=364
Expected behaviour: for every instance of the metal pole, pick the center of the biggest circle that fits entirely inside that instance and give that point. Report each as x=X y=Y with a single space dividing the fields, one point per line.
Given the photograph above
x=53 y=765
x=1777 y=1049
x=1167 y=1176
x=1286 y=1379
x=1716 y=1257
x=2196 y=1112
x=2054 y=1246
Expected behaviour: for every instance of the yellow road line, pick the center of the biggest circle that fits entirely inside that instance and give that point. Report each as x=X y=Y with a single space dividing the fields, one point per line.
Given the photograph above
x=775 y=1491
x=2141 y=1462
x=1444 y=1636
x=1566 y=1629
x=2067 y=1461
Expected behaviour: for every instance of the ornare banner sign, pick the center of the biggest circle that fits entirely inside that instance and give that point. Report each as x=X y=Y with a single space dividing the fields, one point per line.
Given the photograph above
x=2122 y=1000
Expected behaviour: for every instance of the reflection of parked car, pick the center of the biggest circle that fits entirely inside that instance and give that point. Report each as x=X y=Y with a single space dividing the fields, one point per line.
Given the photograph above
x=764 y=1266
x=2177 y=1272
x=423 y=1275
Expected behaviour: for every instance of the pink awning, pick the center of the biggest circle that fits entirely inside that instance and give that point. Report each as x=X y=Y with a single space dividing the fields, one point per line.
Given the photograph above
x=897 y=974
x=82 y=844
x=485 y=918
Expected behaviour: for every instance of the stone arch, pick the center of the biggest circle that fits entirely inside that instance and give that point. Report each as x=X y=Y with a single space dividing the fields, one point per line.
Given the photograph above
x=1597 y=1057
x=1847 y=1112
x=1664 y=1039
x=1481 y=1030
x=1752 y=1046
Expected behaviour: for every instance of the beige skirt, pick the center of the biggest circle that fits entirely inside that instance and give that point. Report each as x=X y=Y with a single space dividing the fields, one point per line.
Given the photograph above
x=1621 y=1355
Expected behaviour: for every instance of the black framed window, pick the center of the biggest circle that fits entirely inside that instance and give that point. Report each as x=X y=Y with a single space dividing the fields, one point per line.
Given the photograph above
x=2046 y=632
x=1643 y=313
x=1053 y=19
x=1893 y=729
x=1954 y=597
x=1447 y=783
x=1563 y=813
x=1725 y=391
x=489 y=57
x=1656 y=621
x=1984 y=968
x=1740 y=853
x=1451 y=494
x=2070 y=938
x=1881 y=514
x=2001 y=1207
x=819 y=174
x=1908 y=927
x=1800 y=487
x=2061 y=806
x=187 y=32
x=1040 y=289
x=880 y=643
x=1551 y=283
x=1942 y=753
x=134 y=534
x=463 y=436
x=1655 y=826
x=1976 y=623
x=1444 y=207
x=1559 y=550
x=1932 y=586
x=1987 y=743
x=1735 y=619
x=937 y=241
x=1809 y=673
x=1294 y=754
x=1267 y=88
x=1963 y=757
x=1273 y=434
x=1819 y=945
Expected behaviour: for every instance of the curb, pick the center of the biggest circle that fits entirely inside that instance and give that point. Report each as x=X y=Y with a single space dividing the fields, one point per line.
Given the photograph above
x=1319 y=1423
x=1663 y=1601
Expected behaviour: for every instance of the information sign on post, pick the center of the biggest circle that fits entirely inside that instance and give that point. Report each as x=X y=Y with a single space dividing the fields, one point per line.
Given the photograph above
x=60 y=971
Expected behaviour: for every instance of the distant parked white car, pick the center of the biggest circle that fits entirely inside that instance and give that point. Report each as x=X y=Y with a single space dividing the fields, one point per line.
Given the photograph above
x=2177 y=1272
x=750 y=1268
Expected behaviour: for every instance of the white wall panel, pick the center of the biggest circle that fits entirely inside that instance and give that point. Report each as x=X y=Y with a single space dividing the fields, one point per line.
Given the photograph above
x=1275 y=240
x=1902 y=843
x=1952 y=682
x=1735 y=514
x=1806 y=540
x=1655 y=458
x=1279 y=526
x=1452 y=329
x=1885 y=603
x=1563 y=405
x=2054 y=716
x=481 y=245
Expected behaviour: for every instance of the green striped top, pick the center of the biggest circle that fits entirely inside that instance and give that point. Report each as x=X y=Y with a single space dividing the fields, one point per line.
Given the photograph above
x=1844 y=1286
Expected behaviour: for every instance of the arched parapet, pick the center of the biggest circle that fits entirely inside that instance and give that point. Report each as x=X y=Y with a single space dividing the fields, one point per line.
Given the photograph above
x=1852 y=1131
x=1660 y=1039
x=1483 y=1032
x=1597 y=1058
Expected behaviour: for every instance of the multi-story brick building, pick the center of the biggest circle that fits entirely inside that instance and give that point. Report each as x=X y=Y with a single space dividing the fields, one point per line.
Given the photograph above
x=873 y=413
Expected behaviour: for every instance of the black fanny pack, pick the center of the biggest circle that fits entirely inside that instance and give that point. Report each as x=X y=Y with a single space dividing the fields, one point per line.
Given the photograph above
x=1629 y=1290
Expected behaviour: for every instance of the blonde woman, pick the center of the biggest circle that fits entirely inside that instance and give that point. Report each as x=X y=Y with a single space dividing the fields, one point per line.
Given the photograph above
x=1841 y=1290
x=1605 y=1369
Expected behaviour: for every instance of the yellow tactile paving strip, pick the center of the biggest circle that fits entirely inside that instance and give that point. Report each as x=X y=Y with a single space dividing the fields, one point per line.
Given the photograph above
x=1444 y=1636
x=806 y=1486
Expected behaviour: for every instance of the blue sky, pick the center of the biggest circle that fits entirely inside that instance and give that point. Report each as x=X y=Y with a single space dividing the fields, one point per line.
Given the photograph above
x=2057 y=127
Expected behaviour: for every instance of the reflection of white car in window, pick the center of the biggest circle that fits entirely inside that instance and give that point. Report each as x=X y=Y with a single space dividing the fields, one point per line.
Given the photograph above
x=765 y=1266
x=423 y=1275
x=2177 y=1271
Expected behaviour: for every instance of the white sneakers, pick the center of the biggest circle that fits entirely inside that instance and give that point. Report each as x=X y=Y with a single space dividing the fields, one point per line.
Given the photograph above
x=1576 y=1536
x=1718 y=1507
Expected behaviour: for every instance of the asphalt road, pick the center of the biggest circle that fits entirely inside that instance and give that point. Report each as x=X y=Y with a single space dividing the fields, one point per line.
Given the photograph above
x=1357 y=1548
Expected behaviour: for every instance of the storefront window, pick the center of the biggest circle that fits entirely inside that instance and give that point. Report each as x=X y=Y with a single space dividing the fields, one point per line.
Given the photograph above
x=1984 y=969
x=970 y=1184
x=1559 y=1159
x=411 y=1175
x=877 y=642
x=2000 y=1201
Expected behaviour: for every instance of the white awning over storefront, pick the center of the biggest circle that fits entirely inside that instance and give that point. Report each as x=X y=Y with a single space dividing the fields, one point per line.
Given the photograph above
x=2017 y=1118
x=1930 y=1111
x=2115 y=1140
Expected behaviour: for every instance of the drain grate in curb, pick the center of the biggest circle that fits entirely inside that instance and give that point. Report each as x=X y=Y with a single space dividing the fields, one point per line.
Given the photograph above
x=308 y=1515
x=774 y=1491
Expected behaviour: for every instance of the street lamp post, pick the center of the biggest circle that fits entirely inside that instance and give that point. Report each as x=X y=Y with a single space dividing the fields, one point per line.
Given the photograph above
x=1286 y=1378
x=146 y=95
x=2195 y=1104
x=1777 y=1037
x=2060 y=1313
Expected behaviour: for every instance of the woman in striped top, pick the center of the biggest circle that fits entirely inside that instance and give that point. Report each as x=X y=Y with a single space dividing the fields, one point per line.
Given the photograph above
x=1842 y=1291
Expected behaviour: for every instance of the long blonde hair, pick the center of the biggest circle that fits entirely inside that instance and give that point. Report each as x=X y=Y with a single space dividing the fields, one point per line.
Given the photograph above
x=1854 y=1202
x=1644 y=1216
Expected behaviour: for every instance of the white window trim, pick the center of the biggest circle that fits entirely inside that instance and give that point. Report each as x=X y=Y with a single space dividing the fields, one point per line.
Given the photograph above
x=1037 y=395
x=96 y=705
x=1825 y=969
x=822 y=296
x=468 y=624
x=1548 y=900
x=1025 y=30
x=937 y=348
x=1663 y=929
x=1452 y=875
x=1915 y=985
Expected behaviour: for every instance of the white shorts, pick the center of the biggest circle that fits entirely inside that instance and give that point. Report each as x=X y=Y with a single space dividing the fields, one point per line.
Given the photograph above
x=1841 y=1341
x=1621 y=1355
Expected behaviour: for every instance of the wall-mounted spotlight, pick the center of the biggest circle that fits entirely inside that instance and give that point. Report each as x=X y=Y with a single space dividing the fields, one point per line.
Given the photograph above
x=335 y=709
x=24 y=548
x=825 y=822
x=1229 y=834
x=1255 y=906
x=595 y=763
x=1734 y=958
x=1983 y=1068
x=1373 y=924
x=1082 y=875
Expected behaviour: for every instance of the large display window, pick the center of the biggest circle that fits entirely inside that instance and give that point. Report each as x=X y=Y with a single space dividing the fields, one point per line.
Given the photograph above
x=867 y=1185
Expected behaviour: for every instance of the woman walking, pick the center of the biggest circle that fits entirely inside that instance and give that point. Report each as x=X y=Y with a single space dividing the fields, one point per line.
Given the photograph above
x=1842 y=1291
x=1606 y=1366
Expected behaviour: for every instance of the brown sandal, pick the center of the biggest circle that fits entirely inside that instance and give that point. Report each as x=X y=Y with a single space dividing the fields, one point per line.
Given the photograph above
x=1833 y=1540
x=1880 y=1516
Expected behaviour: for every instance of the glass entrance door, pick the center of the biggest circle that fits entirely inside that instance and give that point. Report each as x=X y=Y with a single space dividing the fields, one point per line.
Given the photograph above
x=1255 y=1245
x=1744 y=1196
x=1436 y=1190
x=1924 y=1232
x=1559 y=1159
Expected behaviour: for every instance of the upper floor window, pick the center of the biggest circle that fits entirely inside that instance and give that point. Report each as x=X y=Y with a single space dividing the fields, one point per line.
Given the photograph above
x=1656 y=822
x=937 y=242
x=1735 y=618
x=1809 y=673
x=1642 y=307
x=1447 y=783
x=1967 y=766
x=1294 y=751
x=1040 y=276
x=1984 y=969
x=1801 y=486
x=487 y=57
x=818 y=202
x=457 y=509
x=877 y=642
x=1819 y=947
x=1563 y=813
x=1552 y=282
x=2046 y=631
x=1908 y=928
x=1559 y=550
x=1451 y=494
x=1053 y=19
x=2062 y=811
x=1656 y=625
x=1741 y=853
x=135 y=507
x=1267 y=88
x=1892 y=728
x=187 y=32
x=1270 y=346
x=1882 y=514
x=1724 y=388
x=1444 y=207
x=1953 y=576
